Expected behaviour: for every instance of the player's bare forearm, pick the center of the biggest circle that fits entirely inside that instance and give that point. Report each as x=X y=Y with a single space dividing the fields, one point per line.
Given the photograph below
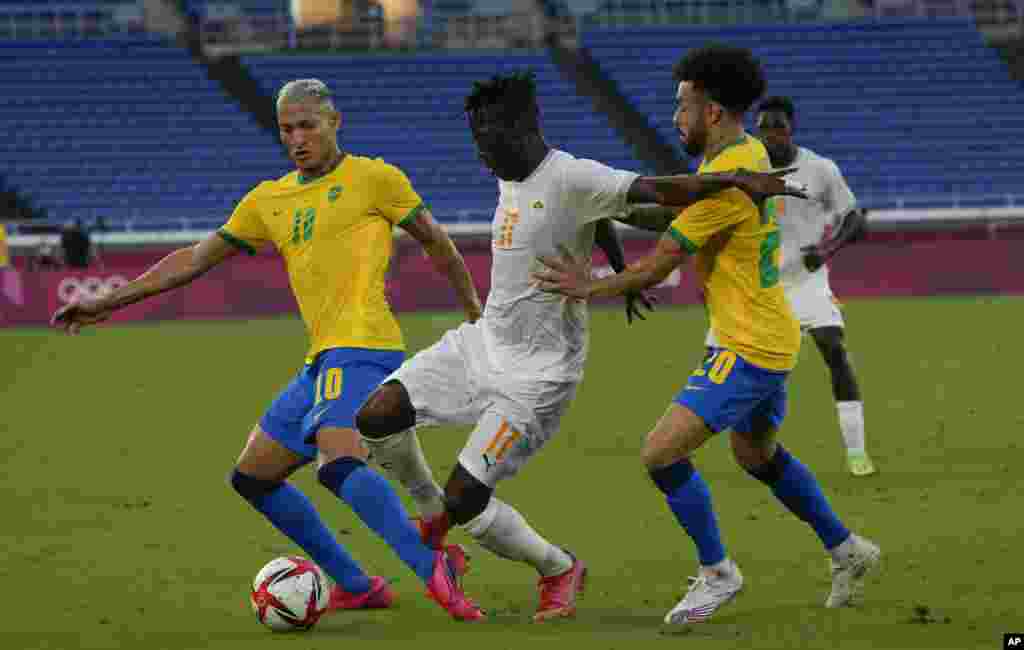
x=448 y=261
x=680 y=191
x=637 y=277
x=645 y=273
x=607 y=239
x=446 y=258
x=568 y=276
x=655 y=218
x=175 y=270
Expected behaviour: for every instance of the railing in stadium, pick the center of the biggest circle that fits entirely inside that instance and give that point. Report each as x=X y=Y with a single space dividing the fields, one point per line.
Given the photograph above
x=518 y=26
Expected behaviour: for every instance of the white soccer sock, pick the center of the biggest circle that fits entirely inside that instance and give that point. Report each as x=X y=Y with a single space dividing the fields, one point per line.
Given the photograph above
x=401 y=457
x=851 y=423
x=503 y=531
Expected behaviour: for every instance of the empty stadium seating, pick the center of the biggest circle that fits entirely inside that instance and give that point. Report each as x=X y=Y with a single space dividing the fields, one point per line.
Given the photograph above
x=916 y=113
x=125 y=129
x=408 y=110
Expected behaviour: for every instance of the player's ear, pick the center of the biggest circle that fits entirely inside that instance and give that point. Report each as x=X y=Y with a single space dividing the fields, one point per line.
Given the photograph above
x=334 y=120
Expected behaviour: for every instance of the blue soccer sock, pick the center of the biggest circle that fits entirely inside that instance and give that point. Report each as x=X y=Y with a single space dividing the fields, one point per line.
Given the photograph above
x=377 y=504
x=795 y=486
x=292 y=513
x=690 y=500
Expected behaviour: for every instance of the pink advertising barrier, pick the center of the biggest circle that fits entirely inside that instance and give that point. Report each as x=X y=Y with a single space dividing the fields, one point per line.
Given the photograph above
x=258 y=286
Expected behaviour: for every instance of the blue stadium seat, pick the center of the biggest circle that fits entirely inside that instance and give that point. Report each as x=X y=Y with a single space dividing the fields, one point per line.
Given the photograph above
x=409 y=111
x=881 y=98
x=125 y=128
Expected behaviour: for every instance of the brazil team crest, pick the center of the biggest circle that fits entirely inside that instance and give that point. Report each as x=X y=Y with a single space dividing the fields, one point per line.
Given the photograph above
x=334 y=193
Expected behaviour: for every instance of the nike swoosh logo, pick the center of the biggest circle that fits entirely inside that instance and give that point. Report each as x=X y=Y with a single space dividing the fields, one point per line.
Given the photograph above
x=695 y=388
x=319 y=414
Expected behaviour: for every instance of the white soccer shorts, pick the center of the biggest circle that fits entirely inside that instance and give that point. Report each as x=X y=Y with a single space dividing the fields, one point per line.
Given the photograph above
x=454 y=382
x=813 y=303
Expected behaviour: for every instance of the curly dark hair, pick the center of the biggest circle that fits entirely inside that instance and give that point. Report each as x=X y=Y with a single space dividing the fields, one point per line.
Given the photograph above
x=779 y=104
x=729 y=75
x=514 y=93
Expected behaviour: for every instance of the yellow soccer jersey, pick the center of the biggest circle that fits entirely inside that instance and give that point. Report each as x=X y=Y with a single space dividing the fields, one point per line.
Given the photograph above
x=736 y=244
x=334 y=233
x=5 y=258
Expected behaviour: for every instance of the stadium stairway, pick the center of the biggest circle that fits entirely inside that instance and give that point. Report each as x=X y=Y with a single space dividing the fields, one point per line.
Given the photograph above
x=916 y=113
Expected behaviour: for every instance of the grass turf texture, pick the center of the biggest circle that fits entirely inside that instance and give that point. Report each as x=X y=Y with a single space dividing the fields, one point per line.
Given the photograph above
x=120 y=530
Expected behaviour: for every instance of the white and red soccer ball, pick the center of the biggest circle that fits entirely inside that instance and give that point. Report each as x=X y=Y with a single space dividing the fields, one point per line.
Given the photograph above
x=289 y=593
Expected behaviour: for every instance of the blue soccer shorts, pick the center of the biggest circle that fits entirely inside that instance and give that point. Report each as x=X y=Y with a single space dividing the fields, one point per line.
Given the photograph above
x=326 y=393
x=730 y=393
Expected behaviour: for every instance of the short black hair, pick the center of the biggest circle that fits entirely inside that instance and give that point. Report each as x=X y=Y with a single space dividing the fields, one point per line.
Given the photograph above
x=515 y=93
x=780 y=104
x=729 y=75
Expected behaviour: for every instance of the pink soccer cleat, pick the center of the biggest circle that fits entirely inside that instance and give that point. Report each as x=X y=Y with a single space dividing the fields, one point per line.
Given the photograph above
x=558 y=593
x=380 y=596
x=444 y=589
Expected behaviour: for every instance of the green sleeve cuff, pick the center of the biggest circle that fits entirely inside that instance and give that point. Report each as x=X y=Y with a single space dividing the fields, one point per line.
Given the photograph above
x=682 y=240
x=415 y=212
x=235 y=241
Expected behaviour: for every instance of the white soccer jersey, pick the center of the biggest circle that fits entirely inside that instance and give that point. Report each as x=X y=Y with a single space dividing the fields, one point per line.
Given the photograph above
x=526 y=331
x=803 y=222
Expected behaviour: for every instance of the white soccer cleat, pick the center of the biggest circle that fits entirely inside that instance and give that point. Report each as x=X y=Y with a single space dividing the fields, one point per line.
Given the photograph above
x=848 y=573
x=706 y=595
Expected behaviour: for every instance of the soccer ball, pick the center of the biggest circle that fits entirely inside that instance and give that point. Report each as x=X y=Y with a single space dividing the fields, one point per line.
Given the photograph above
x=288 y=594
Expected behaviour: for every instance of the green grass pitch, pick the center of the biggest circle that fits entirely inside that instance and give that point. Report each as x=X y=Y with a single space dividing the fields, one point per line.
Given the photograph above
x=120 y=531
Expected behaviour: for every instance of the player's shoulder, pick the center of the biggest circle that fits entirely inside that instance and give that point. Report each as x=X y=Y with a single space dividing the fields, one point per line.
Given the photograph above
x=815 y=160
x=269 y=188
x=746 y=153
x=576 y=171
x=375 y=167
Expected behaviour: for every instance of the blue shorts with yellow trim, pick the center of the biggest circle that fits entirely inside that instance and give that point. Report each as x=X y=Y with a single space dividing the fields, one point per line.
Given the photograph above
x=729 y=393
x=326 y=393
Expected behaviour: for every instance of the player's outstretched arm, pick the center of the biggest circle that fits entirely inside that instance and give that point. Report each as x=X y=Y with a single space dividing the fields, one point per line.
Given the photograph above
x=655 y=218
x=686 y=189
x=177 y=269
x=571 y=277
x=608 y=240
x=446 y=258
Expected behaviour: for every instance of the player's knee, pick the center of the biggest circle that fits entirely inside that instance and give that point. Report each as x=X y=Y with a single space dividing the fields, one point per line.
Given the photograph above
x=387 y=411
x=654 y=456
x=750 y=451
x=250 y=488
x=465 y=497
x=333 y=475
x=771 y=469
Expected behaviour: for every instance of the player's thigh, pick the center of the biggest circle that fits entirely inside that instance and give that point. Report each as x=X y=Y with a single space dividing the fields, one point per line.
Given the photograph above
x=266 y=459
x=443 y=381
x=814 y=305
x=516 y=424
x=283 y=420
x=723 y=393
x=345 y=378
x=717 y=392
